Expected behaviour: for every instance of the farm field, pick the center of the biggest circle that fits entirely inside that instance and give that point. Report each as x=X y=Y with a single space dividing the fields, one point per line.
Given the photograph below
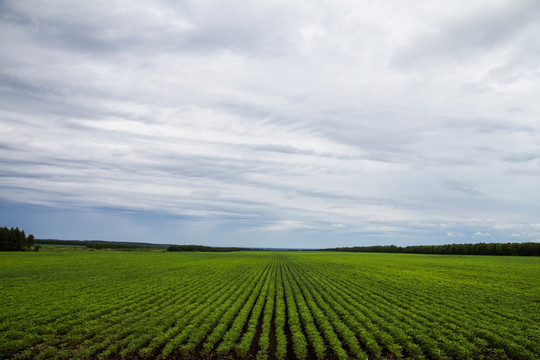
x=267 y=305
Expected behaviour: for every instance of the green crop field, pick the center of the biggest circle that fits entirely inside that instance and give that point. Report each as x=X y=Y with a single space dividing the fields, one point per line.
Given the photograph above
x=275 y=305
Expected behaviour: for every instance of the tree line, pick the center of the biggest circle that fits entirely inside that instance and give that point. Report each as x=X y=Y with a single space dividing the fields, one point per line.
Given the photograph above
x=100 y=244
x=512 y=249
x=122 y=245
x=205 y=248
x=15 y=239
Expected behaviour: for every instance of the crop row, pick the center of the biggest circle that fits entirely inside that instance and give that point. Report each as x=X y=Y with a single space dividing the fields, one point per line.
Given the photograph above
x=445 y=330
x=266 y=306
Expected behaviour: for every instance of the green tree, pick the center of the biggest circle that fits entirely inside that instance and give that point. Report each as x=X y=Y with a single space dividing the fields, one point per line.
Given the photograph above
x=15 y=239
x=30 y=241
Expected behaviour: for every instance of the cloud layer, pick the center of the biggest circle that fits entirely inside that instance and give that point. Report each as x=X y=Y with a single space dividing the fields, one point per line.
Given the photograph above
x=269 y=124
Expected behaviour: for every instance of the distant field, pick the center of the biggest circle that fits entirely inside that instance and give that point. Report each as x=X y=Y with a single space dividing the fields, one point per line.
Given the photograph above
x=276 y=305
x=53 y=247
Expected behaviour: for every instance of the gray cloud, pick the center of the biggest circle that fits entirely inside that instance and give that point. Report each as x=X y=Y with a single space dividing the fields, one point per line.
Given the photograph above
x=470 y=35
x=272 y=121
x=108 y=29
x=488 y=125
x=464 y=188
x=522 y=157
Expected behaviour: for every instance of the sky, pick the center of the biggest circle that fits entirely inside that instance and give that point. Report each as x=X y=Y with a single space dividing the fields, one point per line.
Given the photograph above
x=297 y=124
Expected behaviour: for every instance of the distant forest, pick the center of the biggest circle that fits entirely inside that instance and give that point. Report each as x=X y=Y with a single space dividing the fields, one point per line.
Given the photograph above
x=15 y=240
x=99 y=244
x=513 y=249
x=202 y=248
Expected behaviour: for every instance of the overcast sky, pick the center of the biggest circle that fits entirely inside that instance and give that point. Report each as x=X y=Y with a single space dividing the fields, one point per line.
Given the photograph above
x=271 y=123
